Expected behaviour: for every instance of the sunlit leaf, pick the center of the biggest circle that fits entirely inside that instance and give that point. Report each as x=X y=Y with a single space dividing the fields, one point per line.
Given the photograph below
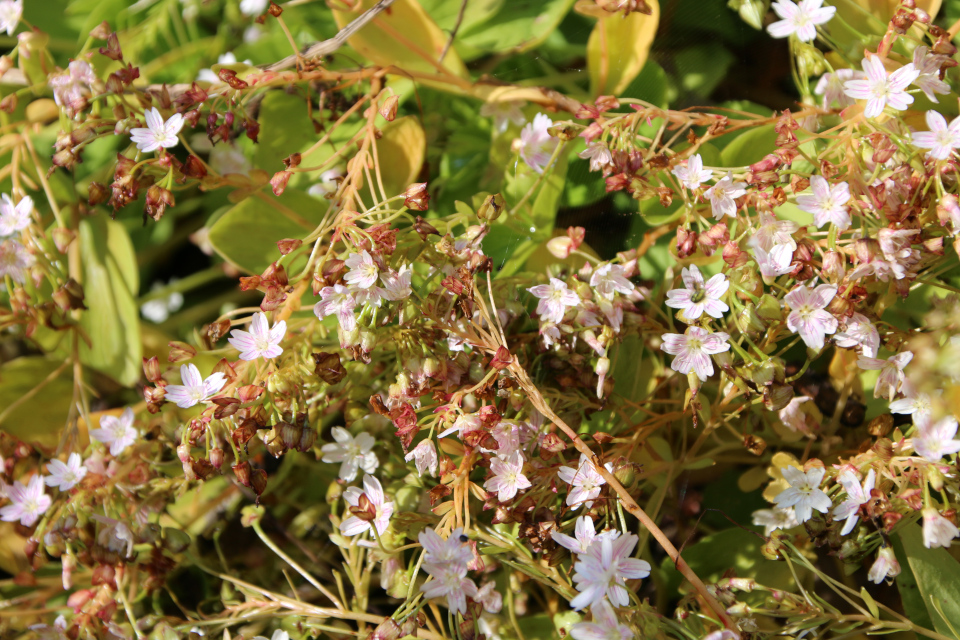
x=401 y=151
x=618 y=48
x=40 y=417
x=937 y=577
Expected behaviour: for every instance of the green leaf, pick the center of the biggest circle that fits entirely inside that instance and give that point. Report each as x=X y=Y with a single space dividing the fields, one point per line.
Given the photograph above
x=544 y=211
x=41 y=417
x=247 y=234
x=111 y=283
x=935 y=575
x=749 y=147
x=519 y=25
x=702 y=67
x=618 y=48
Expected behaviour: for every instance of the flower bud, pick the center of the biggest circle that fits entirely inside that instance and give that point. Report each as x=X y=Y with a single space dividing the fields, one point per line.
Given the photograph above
x=491 y=208
x=289 y=434
x=416 y=197
x=389 y=108
x=307 y=439
x=216 y=457
x=258 y=481
x=180 y=351
x=560 y=247
x=242 y=471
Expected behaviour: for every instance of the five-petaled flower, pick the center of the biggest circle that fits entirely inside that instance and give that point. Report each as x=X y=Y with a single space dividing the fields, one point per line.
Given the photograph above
x=885 y=566
x=585 y=480
x=827 y=203
x=116 y=432
x=363 y=272
x=880 y=89
x=508 y=478
x=157 y=132
x=261 y=341
x=809 y=317
x=933 y=440
x=27 y=503
x=554 y=300
x=424 y=456
x=722 y=196
x=194 y=389
x=609 y=279
x=693 y=349
x=857 y=495
x=337 y=300
x=383 y=510
x=447 y=561
x=536 y=143
x=353 y=453
x=942 y=139
x=937 y=530
x=691 y=174
x=699 y=297
x=605 y=625
x=10 y=13
x=65 y=475
x=800 y=18
x=585 y=534
x=14 y=217
x=804 y=493
x=604 y=569
x=891 y=372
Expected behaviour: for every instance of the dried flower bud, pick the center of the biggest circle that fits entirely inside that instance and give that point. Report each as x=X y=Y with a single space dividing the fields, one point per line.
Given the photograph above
x=308 y=438
x=491 y=208
x=288 y=246
x=151 y=369
x=416 y=197
x=258 y=481
x=242 y=471
x=180 y=351
x=424 y=228
x=327 y=367
x=62 y=238
x=501 y=359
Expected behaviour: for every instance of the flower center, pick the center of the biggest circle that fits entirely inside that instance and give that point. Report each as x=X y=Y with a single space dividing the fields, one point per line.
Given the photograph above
x=698 y=295
x=695 y=344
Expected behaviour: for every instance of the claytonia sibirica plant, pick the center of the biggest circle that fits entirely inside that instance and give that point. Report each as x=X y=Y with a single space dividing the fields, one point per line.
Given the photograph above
x=496 y=338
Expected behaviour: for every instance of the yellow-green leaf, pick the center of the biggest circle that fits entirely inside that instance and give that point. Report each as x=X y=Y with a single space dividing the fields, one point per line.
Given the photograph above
x=401 y=151
x=42 y=410
x=110 y=283
x=618 y=48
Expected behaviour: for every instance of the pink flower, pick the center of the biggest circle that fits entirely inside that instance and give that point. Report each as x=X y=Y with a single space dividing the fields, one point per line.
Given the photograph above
x=934 y=440
x=585 y=480
x=65 y=476
x=71 y=89
x=773 y=519
x=397 y=284
x=857 y=495
x=881 y=90
x=773 y=233
x=554 y=300
x=490 y=598
x=928 y=65
x=941 y=139
x=585 y=533
x=194 y=389
x=446 y=561
x=117 y=433
x=353 y=453
x=465 y=423
x=363 y=270
x=454 y=551
x=15 y=217
x=722 y=196
x=508 y=478
x=27 y=503
x=604 y=569
x=337 y=300
x=937 y=530
x=885 y=566
x=808 y=316
x=804 y=493
x=598 y=154
x=261 y=341
x=774 y=263
x=425 y=457
x=693 y=349
x=913 y=403
x=891 y=372
x=831 y=88
x=536 y=143
x=699 y=297
x=157 y=132
x=503 y=113
x=10 y=13
x=793 y=417
x=691 y=174
x=800 y=19
x=859 y=332
x=15 y=260
x=827 y=204
x=605 y=625
x=353 y=525
x=608 y=280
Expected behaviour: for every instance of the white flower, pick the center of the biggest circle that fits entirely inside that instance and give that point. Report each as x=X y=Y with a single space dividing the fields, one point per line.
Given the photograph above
x=773 y=519
x=937 y=530
x=913 y=403
x=503 y=113
x=699 y=297
x=353 y=453
x=891 y=372
x=827 y=203
x=800 y=19
x=604 y=569
x=933 y=440
x=536 y=143
x=425 y=457
x=585 y=532
x=691 y=173
x=857 y=495
x=253 y=8
x=363 y=272
x=585 y=480
x=337 y=300
x=928 y=65
x=859 y=332
x=194 y=389
x=27 y=503
x=831 y=88
x=773 y=233
x=115 y=536
x=598 y=154
x=10 y=13
x=157 y=132
x=608 y=280
x=353 y=525
x=793 y=417
x=605 y=625
x=774 y=263
x=328 y=183
x=554 y=300
x=941 y=139
x=881 y=90
x=885 y=566
x=722 y=196
x=804 y=493
x=14 y=217
x=15 y=259
x=508 y=478
x=453 y=551
x=693 y=349
x=465 y=423
x=490 y=598
x=65 y=476
x=446 y=561
x=71 y=89
x=261 y=341
x=397 y=285
x=116 y=433
x=809 y=317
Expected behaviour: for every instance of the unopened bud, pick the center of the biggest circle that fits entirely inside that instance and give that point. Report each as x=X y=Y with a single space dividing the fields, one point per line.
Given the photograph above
x=258 y=481
x=216 y=457
x=491 y=208
x=389 y=108
x=416 y=197
x=308 y=437
x=560 y=247
x=242 y=471
x=151 y=369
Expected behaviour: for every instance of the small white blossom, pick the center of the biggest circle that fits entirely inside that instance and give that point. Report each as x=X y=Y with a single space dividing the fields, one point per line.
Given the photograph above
x=691 y=173
x=891 y=372
x=585 y=482
x=885 y=566
x=27 y=503
x=337 y=300
x=65 y=476
x=928 y=65
x=857 y=495
x=774 y=263
x=10 y=13
x=364 y=271
x=773 y=233
x=508 y=478
x=585 y=534
x=353 y=453
x=71 y=89
x=536 y=143
x=253 y=7
x=827 y=203
x=424 y=456
x=115 y=536
x=913 y=403
x=608 y=280
x=793 y=417
x=490 y=598
x=15 y=260
x=880 y=89
x=800 y=18
x=157 y=132
x=503 y=113
x=397 y=284
x=831 y=88
x=775 y=518
x=699 y=297
x=693 y=349
x=446 y=561
x=605 y=625
x=328 y=183
x=804 y=493
x=554 y=300
x=116 y=432
x=14 y=217
x=934 y=440
x=598 y=154
x=465 y=423
x=353 y=525
x=859 y=332
x=722 y=196
x=194 y=389
x=809 y=317
x=261 y=341
x=937 y=530
x=942 y=139
x=604 y=569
